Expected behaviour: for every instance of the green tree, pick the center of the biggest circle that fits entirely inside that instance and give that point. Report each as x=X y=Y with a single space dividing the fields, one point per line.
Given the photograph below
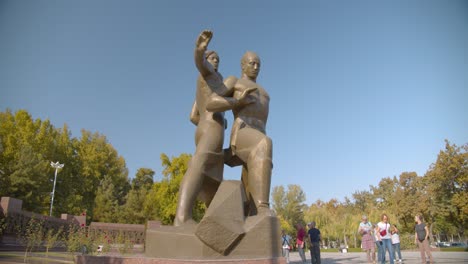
x=289 y=206
x=97 y=159
x=161 y=200
x=106 y=206
x=338 y=222
x=133 y=212
x=69 y=197
x=26 y=148
x=410 y=198
x=143 y=178
x=447 y=187
x=385 y=194
x=32 y=236
x=363 y=200
x=51 y=238
x=324 y=220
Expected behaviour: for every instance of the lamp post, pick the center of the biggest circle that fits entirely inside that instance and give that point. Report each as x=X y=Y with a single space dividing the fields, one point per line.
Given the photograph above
x=57 y=166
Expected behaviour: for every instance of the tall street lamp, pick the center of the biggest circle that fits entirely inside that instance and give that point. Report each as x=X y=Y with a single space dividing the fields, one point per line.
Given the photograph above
x=57 y=166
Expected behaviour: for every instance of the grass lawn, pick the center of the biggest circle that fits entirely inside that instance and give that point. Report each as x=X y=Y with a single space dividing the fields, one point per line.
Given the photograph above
x=37 y=257
x=453 y=249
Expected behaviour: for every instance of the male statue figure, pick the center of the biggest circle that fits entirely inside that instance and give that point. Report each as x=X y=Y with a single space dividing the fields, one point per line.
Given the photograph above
x=250 y=145
x=213 y=97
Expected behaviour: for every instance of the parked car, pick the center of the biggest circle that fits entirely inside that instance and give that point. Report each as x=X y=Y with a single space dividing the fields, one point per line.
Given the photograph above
x=451 y=244
x=458 y=244
x=443 y=244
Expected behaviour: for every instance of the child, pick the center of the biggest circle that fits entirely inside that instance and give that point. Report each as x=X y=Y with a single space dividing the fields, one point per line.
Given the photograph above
x=286 y=245
x=378 y=244
x=396 y=243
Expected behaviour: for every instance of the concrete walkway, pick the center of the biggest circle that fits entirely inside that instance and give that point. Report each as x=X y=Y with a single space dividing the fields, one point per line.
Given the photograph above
x=409 y=257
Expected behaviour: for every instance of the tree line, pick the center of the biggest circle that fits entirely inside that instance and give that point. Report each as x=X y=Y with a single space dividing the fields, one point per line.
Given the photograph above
x=95 y=182
x=440 y=195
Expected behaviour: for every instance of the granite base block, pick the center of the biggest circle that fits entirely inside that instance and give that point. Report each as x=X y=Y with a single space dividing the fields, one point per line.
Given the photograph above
x=146 y=260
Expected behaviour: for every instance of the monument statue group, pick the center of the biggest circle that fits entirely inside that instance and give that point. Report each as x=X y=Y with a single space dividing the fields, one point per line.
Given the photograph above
x=238 y=222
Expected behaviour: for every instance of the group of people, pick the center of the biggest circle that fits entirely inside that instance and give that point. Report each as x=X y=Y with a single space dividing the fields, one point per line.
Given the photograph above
x=385 y=237
x=312 y=237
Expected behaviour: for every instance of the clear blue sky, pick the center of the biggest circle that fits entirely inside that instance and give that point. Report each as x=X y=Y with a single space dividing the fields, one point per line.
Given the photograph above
x=360 y=90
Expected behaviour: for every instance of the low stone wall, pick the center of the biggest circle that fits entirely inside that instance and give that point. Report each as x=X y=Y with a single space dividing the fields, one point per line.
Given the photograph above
x=128 y=232
x=15 y=220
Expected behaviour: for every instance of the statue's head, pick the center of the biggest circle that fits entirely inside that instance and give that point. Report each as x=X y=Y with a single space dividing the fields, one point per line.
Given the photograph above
x=250 y=64
x=212 y=57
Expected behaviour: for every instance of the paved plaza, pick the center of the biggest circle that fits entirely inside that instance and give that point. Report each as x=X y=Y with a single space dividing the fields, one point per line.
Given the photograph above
x=409 y=257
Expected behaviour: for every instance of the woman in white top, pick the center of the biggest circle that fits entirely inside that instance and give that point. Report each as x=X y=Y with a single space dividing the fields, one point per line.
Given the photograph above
x=384 y=235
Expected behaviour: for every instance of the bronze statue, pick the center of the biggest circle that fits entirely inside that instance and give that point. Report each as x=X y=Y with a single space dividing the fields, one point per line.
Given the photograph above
x=238 y=215
x=213 y=97
x=249 y=144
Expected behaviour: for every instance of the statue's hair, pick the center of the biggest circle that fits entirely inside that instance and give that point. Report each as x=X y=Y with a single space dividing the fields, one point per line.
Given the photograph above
x=209 y=52
x=246 y=55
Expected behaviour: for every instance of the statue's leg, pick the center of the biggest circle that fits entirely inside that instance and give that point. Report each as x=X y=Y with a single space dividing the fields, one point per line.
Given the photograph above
x=249 y=205
x=260 y=166
x=212 y=176
x=188 y=191
x=255 y=149
x=207 y=160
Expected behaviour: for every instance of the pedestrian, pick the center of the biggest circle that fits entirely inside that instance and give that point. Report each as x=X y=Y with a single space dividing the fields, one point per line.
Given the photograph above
x=385 y=236
x=421 y=238
x=300 y=241
x=367 y=241
x=314 y=242
x=378 y=244
x=396 y=243
x=286 y=244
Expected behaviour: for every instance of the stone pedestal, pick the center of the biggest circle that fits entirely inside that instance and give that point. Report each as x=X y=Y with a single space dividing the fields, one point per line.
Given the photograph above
x=224 y=233
x=176 y=242
x=223 y=224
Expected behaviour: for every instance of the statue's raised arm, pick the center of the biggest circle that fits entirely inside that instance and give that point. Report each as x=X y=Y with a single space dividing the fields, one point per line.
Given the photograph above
x=201 y=45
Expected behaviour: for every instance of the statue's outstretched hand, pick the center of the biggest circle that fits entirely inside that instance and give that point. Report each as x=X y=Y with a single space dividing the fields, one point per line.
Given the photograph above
x=248 y=91
x=204 y=39
x=244 y=99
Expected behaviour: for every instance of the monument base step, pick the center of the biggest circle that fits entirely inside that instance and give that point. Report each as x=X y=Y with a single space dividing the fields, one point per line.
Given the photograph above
x=261 y=239
x=146 y=260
